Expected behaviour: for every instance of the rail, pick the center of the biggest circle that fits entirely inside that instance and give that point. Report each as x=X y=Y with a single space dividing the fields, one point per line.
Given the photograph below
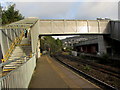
x=19 y=77
x=91 y=78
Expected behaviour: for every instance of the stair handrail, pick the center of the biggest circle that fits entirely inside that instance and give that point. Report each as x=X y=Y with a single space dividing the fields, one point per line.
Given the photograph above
x=9 y=61
x=11 y=72
x=16 y=41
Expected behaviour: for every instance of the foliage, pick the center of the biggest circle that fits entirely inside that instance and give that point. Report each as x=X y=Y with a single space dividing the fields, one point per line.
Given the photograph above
x=50 y=44
x=66 y=53
x=87 y=68
x=69 y=49
x=11 y=15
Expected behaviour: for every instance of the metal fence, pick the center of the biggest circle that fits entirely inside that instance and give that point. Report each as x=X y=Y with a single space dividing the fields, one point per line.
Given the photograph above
x=20 y=77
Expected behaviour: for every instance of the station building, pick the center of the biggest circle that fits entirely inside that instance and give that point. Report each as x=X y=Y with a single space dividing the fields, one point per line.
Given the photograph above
x=93 y=44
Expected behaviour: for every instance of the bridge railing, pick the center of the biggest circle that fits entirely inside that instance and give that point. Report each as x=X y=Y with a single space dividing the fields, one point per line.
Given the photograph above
x=11 y=48
x=8 y=39
x=19 y=77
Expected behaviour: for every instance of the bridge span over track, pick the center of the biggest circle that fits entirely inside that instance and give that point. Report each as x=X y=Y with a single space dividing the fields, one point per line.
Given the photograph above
x=50 y=27
x=74 y=27
x=20 y=53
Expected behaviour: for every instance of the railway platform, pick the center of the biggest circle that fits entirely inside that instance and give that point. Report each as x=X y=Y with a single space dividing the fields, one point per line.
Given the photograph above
x=51 y=74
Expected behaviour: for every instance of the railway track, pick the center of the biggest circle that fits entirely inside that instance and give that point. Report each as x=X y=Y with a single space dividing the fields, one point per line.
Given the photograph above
x=98 y=82
x=96 y=67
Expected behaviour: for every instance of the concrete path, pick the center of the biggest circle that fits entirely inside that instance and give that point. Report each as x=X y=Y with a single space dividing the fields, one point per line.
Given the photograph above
x=51 y=74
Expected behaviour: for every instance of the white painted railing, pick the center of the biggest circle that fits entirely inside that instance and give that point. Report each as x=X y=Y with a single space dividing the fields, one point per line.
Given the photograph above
x=20 y=77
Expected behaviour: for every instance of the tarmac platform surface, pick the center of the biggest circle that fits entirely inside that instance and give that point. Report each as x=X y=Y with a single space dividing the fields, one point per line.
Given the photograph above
x=51 y=74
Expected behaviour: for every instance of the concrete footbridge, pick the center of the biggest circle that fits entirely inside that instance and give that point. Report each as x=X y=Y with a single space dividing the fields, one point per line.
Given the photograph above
x=20 y=53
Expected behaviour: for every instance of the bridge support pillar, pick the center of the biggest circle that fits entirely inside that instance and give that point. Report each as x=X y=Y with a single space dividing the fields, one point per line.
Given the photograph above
x=101 y=45
x=38 y=48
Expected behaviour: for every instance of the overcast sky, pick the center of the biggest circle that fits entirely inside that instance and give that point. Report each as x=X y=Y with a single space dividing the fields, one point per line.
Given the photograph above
x=68 y=9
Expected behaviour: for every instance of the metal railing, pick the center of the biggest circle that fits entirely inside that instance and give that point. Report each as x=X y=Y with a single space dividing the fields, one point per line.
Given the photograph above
x=19 y=77
x=16 y=41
